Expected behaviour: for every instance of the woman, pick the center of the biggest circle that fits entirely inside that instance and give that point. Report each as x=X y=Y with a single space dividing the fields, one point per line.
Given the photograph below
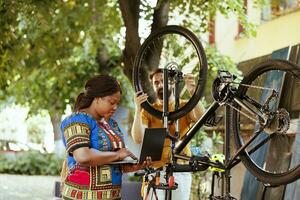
x=93 y=141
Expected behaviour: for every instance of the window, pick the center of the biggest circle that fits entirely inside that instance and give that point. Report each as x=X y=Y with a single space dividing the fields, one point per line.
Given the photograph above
x=212 y=31
x=275 y=8
x=240 y=27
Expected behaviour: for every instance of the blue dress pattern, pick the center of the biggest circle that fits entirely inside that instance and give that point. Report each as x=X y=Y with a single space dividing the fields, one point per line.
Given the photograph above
x=90 y=182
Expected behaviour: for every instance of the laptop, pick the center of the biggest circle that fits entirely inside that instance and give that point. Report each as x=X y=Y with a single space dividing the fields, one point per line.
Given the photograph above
x=152 y=146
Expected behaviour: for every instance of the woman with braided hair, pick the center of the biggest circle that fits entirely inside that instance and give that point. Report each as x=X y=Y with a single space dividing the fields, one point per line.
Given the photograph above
x=93 y=141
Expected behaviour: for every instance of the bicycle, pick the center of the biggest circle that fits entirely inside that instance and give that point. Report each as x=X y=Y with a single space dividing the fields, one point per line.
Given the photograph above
x=178 y=51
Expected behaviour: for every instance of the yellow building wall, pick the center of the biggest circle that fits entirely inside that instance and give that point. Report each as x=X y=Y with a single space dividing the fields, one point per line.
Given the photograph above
x=271 y=35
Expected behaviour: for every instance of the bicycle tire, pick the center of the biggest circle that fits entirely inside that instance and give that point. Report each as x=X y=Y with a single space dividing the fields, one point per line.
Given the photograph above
x=267 y=176
x=177 y=30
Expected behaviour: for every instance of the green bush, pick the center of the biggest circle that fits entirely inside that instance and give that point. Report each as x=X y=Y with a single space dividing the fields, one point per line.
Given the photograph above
x=31 y=163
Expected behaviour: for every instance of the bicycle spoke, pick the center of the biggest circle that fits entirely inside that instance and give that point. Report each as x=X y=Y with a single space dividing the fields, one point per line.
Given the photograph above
x=243 y=113
x=253 y=102
x=261 y=144
x=252 y=86
x=189 y=68
x=257 y=133
x=187 y=52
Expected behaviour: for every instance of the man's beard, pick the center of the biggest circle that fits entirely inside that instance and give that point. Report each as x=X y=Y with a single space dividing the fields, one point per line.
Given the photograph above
x=160 y=93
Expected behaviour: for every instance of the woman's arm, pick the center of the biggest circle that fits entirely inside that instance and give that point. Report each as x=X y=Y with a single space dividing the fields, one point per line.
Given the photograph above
x=92 y=157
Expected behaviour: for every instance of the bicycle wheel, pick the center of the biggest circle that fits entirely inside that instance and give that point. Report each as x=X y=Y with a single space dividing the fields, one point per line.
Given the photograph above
x=271 y=90
x=170 y=47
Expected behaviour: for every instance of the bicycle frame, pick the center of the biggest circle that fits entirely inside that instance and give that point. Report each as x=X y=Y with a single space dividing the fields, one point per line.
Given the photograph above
x=230 y=162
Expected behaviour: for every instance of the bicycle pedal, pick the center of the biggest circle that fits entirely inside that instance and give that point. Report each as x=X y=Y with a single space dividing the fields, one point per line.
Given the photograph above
x=198 y=163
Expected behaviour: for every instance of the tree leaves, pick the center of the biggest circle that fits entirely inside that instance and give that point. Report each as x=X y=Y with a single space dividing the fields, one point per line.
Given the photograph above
x=48 y=49
x=197 y=14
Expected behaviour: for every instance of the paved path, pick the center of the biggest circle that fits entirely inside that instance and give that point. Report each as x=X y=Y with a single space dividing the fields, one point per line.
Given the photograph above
x=23 y=187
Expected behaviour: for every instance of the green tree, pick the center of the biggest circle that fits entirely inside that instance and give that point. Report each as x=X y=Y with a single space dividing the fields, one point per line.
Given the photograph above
x=194 y=15
x=48 y=48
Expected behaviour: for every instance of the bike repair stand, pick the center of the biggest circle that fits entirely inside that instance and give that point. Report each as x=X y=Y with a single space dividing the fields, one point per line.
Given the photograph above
x=170 y=184
x=176 y=77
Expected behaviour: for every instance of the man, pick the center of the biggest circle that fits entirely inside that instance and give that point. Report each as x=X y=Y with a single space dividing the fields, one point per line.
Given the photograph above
x=142 y=120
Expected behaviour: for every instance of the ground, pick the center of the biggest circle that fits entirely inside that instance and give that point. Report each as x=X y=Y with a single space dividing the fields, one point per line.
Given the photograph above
x=24 y=187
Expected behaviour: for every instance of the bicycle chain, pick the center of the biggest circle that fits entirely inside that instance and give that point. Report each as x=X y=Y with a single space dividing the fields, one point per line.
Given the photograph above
x=253 y=86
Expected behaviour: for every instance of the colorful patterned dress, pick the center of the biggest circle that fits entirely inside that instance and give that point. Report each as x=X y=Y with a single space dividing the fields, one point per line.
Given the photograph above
x=87 y=182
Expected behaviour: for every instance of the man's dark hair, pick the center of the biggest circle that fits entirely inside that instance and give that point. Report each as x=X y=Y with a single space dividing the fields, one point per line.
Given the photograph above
x=156 y=71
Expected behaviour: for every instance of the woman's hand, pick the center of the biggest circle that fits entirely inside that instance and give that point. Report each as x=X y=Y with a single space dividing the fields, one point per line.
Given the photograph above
x=136 y=167
x=146 y=162
x=123 y=153
x=139 y=98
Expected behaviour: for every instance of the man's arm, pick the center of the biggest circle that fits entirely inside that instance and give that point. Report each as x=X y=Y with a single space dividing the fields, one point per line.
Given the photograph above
x=198 y=110
x=138 y=128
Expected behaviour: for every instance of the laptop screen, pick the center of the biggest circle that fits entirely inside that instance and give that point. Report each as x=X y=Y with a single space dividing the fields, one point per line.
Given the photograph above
x=153 y=143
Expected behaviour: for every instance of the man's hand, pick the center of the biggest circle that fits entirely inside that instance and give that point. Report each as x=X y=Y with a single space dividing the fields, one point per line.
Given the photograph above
x=139 y=98
x=190 y=83
x=146 y=162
